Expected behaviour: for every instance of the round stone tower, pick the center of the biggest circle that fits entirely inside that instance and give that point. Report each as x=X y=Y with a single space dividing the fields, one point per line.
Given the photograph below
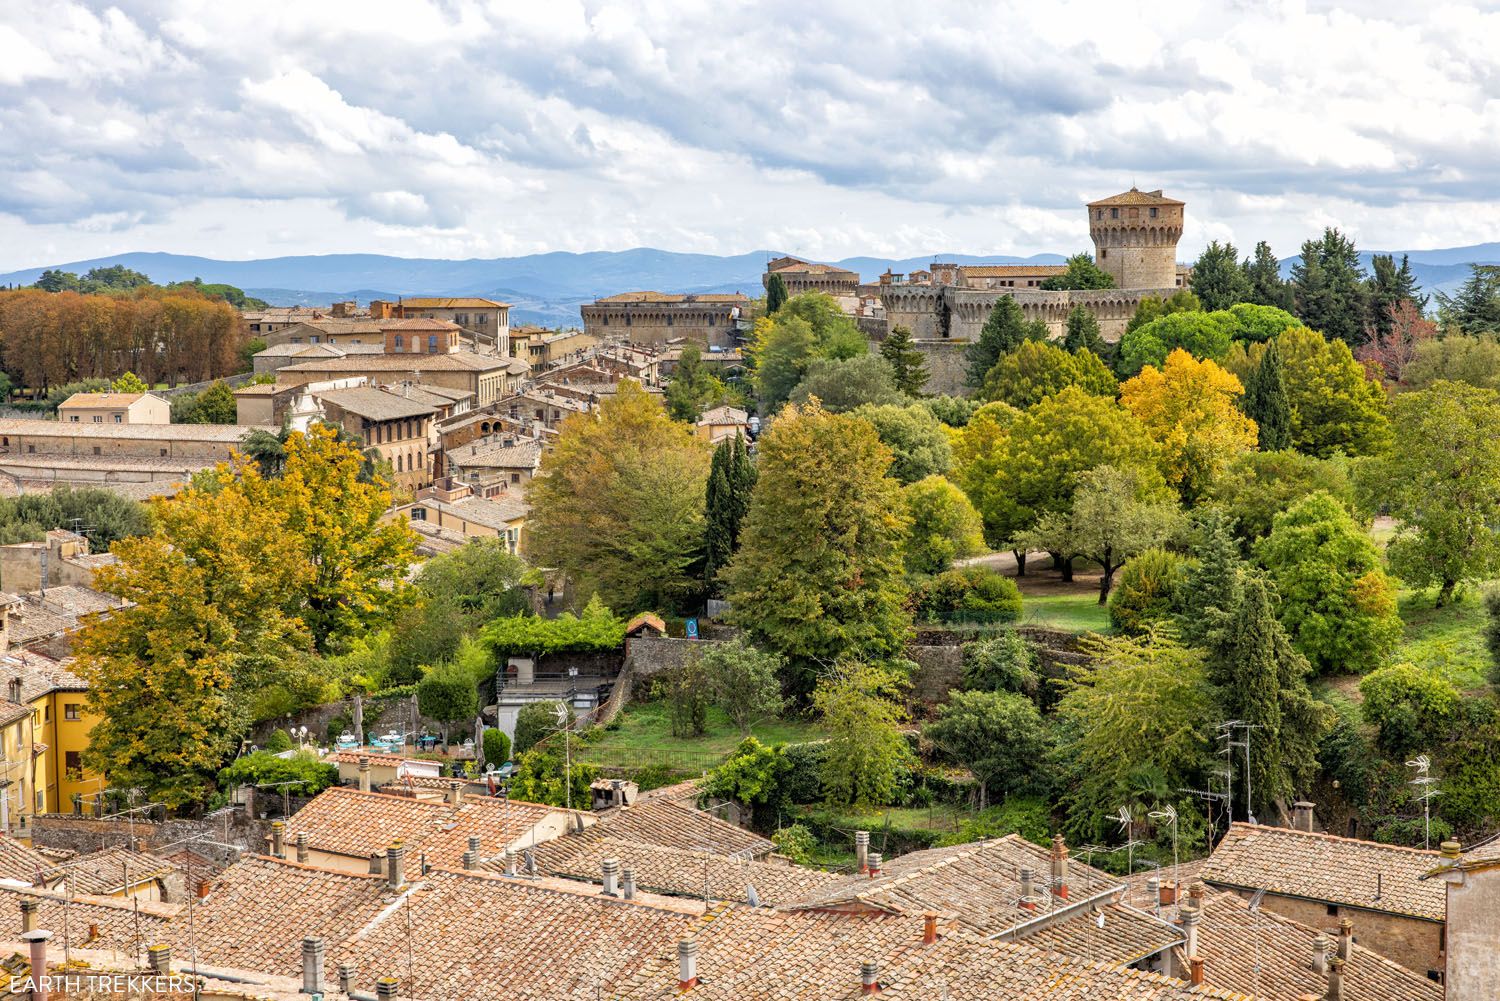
x=1135 y=238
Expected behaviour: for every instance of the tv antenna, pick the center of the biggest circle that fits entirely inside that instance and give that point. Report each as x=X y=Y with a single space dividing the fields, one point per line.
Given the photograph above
x=1226 y=734
x=1425 y=791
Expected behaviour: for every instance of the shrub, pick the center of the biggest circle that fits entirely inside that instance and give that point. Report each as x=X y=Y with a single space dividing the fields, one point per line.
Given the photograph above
x=542 y=777
x=803 y=782
x=970 y=594
x=534 y=722
x=265 y=768
x=1410 y=707
x=1028 y=816
x=1143 y=595
x=1003 y=663
x=1411 y=831
x=752 y=775
x=496 y=747
x=796 y=842
x=685 y=689
x=279 y=740
x=999 y=736
x=448 y=695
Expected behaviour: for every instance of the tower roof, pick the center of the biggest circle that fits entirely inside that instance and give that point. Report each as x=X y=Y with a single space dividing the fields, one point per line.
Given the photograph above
x=1137 y=197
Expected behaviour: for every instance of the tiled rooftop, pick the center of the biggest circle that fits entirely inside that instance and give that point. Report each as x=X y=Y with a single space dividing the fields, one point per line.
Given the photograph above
x=82 y=921
x=451 y=361
x=678 y=825
x=1323 y=867
x=111 y=871
x=460 y=302
x=226 y=433
x=22 y=864
x=1137 y=197
x=376 y=404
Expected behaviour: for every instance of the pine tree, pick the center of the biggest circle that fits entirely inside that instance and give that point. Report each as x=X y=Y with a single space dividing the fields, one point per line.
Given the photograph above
x=1389 y=287
x=1210 y=591
x=1330 y=287
x=908 y=364
x=1218 y=280
x=1083 y=333
x=1262 y=680
x=1475 y=308
x=776 y=294
x=1266 y=401
x=1266 y=286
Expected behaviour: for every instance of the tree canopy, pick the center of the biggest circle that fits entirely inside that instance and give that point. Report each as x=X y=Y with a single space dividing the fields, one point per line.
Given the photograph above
x=1038 y=369
x=1080 y=273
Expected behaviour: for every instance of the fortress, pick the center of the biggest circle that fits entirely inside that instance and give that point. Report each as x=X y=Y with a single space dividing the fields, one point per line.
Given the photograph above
x=1135 y=236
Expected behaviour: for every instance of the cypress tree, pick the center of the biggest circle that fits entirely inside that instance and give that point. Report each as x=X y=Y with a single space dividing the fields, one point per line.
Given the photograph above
x=1083 y=333
x=1267 y=404
x=731 y=478
x=907 y=363
x=1267 y=288
x=775 y=294
x=1210 y=591
x=1004 y=330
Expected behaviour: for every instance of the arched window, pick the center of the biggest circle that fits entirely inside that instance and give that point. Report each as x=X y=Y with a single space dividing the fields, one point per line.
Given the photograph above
x=398 y=342
x=398 y=463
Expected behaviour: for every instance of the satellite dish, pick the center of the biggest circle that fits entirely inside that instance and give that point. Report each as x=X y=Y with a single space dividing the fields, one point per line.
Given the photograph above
x=751 y=895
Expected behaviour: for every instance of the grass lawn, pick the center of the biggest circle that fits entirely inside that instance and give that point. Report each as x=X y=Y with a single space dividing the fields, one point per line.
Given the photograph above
x=642 y=736
x=1069 y=611
x=1450 y=639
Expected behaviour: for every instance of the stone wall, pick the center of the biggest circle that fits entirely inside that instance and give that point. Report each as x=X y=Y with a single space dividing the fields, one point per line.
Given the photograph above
x=946 y=366
x=1414 y=943
x=1473 y=930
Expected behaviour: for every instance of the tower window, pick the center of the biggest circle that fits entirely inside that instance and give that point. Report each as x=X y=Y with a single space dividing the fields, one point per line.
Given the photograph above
x=1114 y=213
x=1153 y=213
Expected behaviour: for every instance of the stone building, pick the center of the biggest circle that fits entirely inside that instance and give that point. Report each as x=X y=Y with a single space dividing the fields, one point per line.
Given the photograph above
x=657 y=317
x=1472 y=884
x=393 y=424
x=1135 y=237
x=805 y=276
x=485 y=320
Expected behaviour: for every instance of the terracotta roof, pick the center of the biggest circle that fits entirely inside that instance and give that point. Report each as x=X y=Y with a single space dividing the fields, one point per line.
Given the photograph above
x=759 y=955
x=347 y=822
x=376 y=758
x=808 y=268
x=488 y=452
x=1323 y=867
x=1233 y=942
x=258 y=389
x=449 y=361
x=83 y=921
x=376 y=404
x=226 y=433
x=689 y=874
x=111 y=871
x=22 y=864
x=39 y=674
x=1126 y=935
x=723 y=415
x=11 y=712
x=978 y=884
x=673 y=297
x=677 y=825
x=1137 y=197
x=95 y=400
x=461 y=302
x=498 y=513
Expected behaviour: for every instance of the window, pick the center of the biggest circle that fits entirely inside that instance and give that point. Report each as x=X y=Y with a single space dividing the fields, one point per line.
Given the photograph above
x=163 y=453
x=73 y=418
x=419 y=514
x=398 y=342
x=1098 y=213
x=96 y=449
x=1153 y=213
x=47 y=713
x=1333 y=910
x=73 y=762
x=73 y=711
x=1114 y=213
x=515 y=477
x=398 y=464
x=98 y=418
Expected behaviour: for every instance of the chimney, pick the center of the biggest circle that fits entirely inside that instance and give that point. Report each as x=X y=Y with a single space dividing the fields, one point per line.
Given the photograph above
x=611 y=877
x=687 y=964
x=1028 y=889
x=159 y=959
x=205 y=887
x=1302 y=816
x=346 y=978
x=1190 y=918
x=1153 y=890
x=15 y=689
x=29 y=908
x=874 y=864
x=455 y=794
x=1195 y=897
x=247 y=793
x=929 y=928
x=386 y=987
x=862 y=850
x=377 y=865
x=37 y=940
x=471 y=859
x=302 y=846
x=1060 y=866
x=1195 y=974
x=1320 y=954
x=364 y=773
x=627 y=883
x=509 y=858
x=1346 y=938
x=395 y=870
x=312 y=965
x=869 y=977
x=278 y=838
x=1451 y=850
x=474 y=844
x=1167 y=892
x=1336 y=980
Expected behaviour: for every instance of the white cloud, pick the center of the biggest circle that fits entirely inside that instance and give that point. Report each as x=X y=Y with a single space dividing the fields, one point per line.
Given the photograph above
x=488 y=127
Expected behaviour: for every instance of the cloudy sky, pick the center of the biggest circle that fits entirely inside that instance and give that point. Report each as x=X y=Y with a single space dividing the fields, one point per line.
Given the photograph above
x=481 y=128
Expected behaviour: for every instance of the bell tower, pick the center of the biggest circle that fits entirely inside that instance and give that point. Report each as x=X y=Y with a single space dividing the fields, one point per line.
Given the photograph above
x=1135 y=238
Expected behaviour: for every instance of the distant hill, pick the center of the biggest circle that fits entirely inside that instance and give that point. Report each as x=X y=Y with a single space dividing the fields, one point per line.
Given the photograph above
x=548 y=288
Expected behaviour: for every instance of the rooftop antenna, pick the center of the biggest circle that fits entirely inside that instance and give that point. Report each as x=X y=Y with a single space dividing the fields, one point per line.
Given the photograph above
x=1254 y=905
x=1169 y=814
x=1425 y=791
x=1127 y=825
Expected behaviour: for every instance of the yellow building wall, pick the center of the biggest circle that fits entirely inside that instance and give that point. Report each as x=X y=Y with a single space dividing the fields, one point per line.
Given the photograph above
x=62 y=736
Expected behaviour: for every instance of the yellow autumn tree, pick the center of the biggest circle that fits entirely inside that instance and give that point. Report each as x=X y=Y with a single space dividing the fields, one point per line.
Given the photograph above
x=1188 y=408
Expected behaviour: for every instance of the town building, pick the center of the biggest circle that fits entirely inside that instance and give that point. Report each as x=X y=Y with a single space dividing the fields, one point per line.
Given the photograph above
x=722 y=423
x=63 y=557
x=485 y=320
x=115 y=408
x=496 y=464
x=1471 y=884
x=546 y=349
x=263 y=323
x=279 y=356
x=1320 y=879
x=394 y=425
x=653 y=318
x=487 y=377
x=454 y=505
x=801 y=276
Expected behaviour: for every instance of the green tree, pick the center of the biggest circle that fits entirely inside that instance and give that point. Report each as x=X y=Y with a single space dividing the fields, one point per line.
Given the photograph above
x=1038 y=369
x=1257 y=486
x=841 y=384
x=129 y=383
x=908 y=365
x=447 y=694
x=1143 y=598
x=973 y=595
x=1153 y=307
x=1330 y=289
x=1081 y=273
x=944 y=525
x=745 y=682
x=1210 y=581
x=1442 y=485
x=1139 y=703
x=1475 y=307
x=545 y=775
x=731 y=480
x=776 y=294
x=953 y=411
x=1218 y=280
x=999 y=736
x=867 y=752
x=693 y=387
x=1004 y=662
x=1267 y=403
x=1082 y=332
x=251 y=348
x=1116 y=514
x=818 y=573
x=780 y=351
x=1050 y=446
x=536 y=720
x=978 y=456
x=1335 y=406
x=1202 y=335
x=916 y=439
x=215 y=405
x=1454 y=358
x=1410 y=707
x=481 y=579
x=1266 y=286
x=1255 y=324
x=308 y=775
x=686 y=689
x=619 y=504
x=1391 y=285
x=1337 y=602
x=1004 y=330
x=1262 y=680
